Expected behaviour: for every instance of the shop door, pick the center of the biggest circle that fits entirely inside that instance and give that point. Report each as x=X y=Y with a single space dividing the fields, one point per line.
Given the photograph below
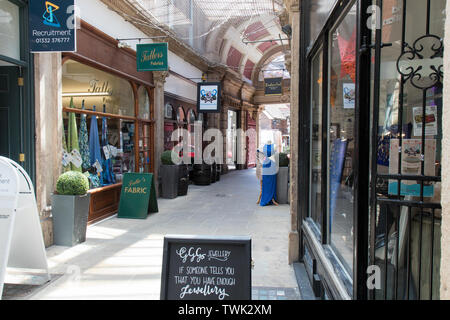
x=407 y=77
x=232 y=140
x=251 y=141
x=9 y=112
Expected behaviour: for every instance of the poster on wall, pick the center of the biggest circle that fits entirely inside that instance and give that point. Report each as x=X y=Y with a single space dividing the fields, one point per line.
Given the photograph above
x=348 y=91
x=52 y=26
x=208 y=97
x=431 y=126
x=412 y=165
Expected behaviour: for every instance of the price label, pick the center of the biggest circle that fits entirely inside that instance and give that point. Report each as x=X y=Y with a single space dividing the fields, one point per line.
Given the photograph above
x=76 y=158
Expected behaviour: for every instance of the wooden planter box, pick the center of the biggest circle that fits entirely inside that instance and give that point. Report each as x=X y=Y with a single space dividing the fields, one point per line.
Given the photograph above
x=104 y=202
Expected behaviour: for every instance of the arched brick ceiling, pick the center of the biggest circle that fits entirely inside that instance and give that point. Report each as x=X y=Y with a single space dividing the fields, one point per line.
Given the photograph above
x=256 y=31
x=248 y=69
x=243 y=57
x=234 y=58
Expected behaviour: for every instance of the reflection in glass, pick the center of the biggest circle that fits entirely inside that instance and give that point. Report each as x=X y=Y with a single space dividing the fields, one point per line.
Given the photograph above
x=96 y=88
x=9 y=30
x=341 y=140
x=316 y=139
x=144 y=103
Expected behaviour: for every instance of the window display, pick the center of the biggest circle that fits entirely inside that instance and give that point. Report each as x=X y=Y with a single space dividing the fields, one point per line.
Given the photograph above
x=102 y=106
x=106 y=147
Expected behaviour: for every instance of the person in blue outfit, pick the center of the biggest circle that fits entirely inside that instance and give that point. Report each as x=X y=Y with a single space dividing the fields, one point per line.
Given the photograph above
x=269 y=177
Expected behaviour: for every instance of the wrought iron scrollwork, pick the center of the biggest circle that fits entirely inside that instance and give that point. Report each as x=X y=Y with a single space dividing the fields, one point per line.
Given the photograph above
x=422 y=63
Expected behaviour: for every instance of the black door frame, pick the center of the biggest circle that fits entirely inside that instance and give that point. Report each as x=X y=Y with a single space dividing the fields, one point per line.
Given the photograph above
x=26 y=106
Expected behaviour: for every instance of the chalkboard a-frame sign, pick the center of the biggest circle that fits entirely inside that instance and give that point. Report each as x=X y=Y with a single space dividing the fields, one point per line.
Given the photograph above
x=206 y=268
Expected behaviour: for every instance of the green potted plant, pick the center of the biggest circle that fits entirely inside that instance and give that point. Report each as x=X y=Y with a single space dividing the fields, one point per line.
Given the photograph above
x=70 y=209
x=283 y=178
x=174 y=177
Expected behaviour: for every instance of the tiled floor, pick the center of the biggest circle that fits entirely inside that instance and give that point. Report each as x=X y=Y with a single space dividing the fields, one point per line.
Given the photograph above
x=271 y=293
x=122 y=258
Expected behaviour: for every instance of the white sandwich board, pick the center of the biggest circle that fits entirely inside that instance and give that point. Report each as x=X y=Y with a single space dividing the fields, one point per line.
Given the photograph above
x=21 y=240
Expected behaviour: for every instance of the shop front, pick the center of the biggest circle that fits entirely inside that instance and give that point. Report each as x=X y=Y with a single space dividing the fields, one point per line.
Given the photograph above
x=16 y=83
x=108 y=126
x=179 y=114
x=369 y=194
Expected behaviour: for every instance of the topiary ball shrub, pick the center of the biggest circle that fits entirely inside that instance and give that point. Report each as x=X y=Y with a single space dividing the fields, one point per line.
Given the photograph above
x=284 y=159
x=167 y=156
x=72 y=183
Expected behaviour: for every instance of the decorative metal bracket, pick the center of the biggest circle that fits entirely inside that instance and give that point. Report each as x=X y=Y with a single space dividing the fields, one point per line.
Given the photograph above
x=422 y=63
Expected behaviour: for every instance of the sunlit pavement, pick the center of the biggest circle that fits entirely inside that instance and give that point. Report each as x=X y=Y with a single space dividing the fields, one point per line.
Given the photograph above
x=122 y=258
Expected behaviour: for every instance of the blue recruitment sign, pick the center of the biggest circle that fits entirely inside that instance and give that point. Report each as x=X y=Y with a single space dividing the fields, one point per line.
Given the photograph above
x=52 y=25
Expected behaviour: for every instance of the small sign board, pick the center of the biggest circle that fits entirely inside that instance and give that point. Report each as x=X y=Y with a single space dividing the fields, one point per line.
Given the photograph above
x=52 y=26
x=152 y=57
x=206 y=268
x=208 y=97
x=138 y=196
x=273 y=86
x=21 y=240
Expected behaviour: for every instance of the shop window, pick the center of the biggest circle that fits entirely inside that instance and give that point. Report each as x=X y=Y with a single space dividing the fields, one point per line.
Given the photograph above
x=171 y=116
x=102 y=137
x=9 y=30
x=97 y=89
x=192 y=124
x=180 y=115
x=191 y=116
x=144 y=103
x=145 y=138
x=341 y=136
x=316 y=139
x=169 y=112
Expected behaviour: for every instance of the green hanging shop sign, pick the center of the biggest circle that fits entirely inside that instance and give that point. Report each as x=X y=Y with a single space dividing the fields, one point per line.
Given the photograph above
x=138 y=196
x=152 y=57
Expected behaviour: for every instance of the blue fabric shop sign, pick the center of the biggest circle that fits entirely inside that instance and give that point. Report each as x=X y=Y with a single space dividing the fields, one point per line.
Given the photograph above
x=52 y=26
x=152 y=57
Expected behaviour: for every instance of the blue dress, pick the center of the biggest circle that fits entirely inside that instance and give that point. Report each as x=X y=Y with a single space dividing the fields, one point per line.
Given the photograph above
x=269 y=178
